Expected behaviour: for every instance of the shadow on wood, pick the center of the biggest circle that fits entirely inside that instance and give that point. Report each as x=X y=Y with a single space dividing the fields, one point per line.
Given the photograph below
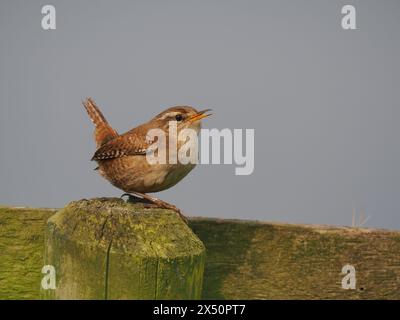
x=245 y=259
x=109 y=249
x=259 y=260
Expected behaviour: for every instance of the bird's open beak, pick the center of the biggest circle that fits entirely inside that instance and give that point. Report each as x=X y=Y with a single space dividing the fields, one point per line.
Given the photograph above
x=200 y=115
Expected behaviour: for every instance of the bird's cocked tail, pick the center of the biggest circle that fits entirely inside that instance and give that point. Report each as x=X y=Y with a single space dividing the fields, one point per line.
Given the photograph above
x=103 y=131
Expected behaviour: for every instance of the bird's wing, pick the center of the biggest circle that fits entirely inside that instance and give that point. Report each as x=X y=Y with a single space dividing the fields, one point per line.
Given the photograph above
x=124 y=145
x=103 y=131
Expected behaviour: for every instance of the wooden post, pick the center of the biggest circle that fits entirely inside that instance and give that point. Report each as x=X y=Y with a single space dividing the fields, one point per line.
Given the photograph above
x=109 y=249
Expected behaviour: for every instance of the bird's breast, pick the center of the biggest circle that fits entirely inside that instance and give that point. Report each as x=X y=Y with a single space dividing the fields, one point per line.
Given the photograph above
x=134 y=173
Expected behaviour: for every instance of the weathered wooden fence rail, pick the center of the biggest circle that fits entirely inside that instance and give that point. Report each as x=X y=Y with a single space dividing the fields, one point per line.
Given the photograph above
x=244 y=259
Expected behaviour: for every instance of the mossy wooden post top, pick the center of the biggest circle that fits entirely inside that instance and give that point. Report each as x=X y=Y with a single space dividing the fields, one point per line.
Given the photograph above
x=107 y=248
x=130 y=227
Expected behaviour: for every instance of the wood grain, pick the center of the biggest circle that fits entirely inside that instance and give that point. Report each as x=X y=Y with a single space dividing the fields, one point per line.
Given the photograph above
x=244 y=259
x=109 y=249
x=254 y=260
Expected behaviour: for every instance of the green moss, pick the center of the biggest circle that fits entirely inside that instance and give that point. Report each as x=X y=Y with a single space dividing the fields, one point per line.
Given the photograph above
x=245 y=260
x=249 y=260
x=21 y=251
x=148 y=232
x=120 y=250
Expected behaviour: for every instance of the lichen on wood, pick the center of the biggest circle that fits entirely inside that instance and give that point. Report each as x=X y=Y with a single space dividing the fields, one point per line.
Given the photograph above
x=245 y=260
x=21 y=251
x=259 y=260
x=108 y=249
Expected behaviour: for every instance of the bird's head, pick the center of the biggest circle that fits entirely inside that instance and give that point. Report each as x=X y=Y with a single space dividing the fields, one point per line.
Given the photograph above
x=186 y=117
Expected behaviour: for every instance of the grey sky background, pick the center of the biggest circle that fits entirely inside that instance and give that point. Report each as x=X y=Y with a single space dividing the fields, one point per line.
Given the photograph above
x=324 y=102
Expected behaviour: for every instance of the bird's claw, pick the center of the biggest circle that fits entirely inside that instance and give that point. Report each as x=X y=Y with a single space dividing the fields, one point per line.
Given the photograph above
x=151 y=202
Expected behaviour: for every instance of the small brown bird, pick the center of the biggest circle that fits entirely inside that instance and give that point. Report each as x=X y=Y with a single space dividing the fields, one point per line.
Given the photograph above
x=122 y=158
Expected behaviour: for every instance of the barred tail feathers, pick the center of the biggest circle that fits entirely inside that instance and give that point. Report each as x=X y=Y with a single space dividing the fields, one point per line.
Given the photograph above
x=103 y=131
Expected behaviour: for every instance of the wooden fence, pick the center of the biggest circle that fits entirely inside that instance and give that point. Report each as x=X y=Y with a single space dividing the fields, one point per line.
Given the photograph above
x=104 y=248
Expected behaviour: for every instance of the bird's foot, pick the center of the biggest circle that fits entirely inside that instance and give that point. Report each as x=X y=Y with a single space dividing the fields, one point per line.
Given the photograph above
x=153 y=202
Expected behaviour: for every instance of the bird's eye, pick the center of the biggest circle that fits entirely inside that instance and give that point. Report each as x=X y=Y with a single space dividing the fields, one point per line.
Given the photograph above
x=178 y=117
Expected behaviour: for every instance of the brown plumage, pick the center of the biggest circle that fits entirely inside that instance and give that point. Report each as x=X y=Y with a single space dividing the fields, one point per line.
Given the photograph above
x=122 y=158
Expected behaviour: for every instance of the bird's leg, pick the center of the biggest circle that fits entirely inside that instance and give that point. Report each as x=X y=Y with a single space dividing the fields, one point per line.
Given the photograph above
x=159 y=203
x=135 y=199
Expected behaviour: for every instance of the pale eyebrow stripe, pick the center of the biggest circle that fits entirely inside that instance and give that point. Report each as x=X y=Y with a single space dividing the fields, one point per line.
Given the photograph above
x=169 y=114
